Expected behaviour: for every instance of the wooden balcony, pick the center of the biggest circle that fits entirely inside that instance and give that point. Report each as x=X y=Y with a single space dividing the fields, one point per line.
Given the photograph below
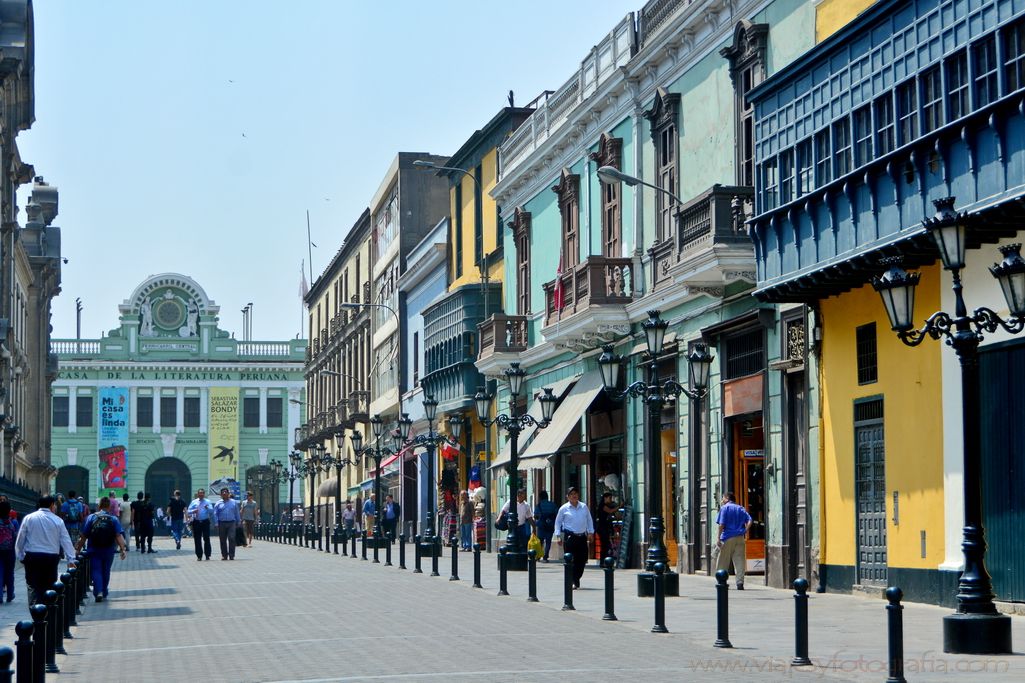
x=599 y=281
x=503 y=333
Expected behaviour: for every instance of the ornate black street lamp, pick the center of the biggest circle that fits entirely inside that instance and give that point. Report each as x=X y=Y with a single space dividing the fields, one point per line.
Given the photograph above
x=976 y=627
x=313 y=465
x=297 y=471
x=655 y=395
x=376 y=453
x=432 y=440
x=516 y=555
x=276 y=468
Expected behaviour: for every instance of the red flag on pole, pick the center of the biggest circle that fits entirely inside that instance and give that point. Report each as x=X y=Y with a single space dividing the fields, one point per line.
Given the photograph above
x=558 y=287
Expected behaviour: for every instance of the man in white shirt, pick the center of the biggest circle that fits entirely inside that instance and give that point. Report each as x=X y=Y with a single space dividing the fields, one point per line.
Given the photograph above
x=524 y=517
x=574 y=528
x=200 y=515
x=40 y=540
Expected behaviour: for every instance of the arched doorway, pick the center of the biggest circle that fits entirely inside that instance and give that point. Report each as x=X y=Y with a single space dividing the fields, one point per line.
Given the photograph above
x=75 y=478
x=162 y=478
x=258 y=480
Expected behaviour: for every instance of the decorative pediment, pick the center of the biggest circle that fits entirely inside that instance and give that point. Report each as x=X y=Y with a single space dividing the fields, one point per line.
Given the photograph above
x=568 y=188
x=520 y=223
x=610 y=151
x=749 y=41
x=665 y=110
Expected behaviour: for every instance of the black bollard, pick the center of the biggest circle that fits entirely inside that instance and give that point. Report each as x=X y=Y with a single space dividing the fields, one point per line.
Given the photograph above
x=376 y=549
x=435 y=554
x=353 y=539
x=65 y=602
x=72 y=604
x=455 y=559
x=895 y=634
x=327 y=538
x=609 y=564
x=58 y=616
x=800 y=624
x=476 y=566
x=567 y=583
x=82 y=567
x=363 y=537
x=503 y=585
x=417 y=555
x=722 y=609
x=532 y=576
x=338 y=532
x=38 y=612
x=387 y=549
x=50 y=598
x=6 y=659
x=660 y=598
x=402 y=551
x=24 y=646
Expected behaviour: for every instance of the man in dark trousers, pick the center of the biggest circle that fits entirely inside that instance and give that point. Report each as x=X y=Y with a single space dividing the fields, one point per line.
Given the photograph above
x=200 y=515
x=135 y=525
x=40 y=540
x=574 y=528
x=145 y=514
x=104 y=533
x=392 y=514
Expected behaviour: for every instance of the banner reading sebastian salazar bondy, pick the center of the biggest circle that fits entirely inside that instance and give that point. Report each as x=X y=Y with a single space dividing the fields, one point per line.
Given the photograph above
x=223 y=440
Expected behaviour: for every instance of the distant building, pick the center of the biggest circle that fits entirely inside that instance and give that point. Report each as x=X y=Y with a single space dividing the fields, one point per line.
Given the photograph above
x=168 y=400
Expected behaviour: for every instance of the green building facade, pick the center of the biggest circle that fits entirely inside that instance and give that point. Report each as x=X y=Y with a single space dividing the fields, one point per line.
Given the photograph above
x=168 y=400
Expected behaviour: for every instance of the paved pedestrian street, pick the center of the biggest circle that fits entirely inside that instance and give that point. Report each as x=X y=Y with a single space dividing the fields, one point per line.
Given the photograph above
x=282 y=613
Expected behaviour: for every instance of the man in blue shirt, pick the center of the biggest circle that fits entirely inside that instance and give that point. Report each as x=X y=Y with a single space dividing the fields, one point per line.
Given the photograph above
x=104 y=533
x=370 y=514
x=391 y=517
x=228 y=516
x=200 y=514
x=733 y=521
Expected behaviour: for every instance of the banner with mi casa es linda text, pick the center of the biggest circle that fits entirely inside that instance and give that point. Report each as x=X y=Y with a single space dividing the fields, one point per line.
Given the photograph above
x=112 y=440
x=223 y=439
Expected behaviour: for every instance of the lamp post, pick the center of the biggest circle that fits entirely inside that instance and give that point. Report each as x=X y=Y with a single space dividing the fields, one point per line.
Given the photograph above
x=276 y=468
x=313 y=465
x=655 y=395
x=339 y=462
x=976 y=627
x=375 y=453
x=516 y=555
x=295 y=458
x=431 y=441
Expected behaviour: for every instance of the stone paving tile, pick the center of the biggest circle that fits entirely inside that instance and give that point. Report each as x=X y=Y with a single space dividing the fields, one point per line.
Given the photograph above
x=280 y=613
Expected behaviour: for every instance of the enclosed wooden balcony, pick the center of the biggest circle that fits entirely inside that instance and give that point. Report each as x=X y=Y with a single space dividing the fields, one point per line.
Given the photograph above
x=599 y=282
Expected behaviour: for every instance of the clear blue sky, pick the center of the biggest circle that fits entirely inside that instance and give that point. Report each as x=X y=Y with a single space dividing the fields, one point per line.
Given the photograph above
x=193 y=136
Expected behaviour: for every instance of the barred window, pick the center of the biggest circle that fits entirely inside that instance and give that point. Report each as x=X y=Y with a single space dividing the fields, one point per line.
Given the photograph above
x=868 y=370
x=984 y=68
x=744 y=353
x=957 y=85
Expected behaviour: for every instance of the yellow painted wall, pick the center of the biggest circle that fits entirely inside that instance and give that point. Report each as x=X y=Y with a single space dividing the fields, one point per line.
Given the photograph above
x=470 y=274
x=832 y=15
x=910 y=384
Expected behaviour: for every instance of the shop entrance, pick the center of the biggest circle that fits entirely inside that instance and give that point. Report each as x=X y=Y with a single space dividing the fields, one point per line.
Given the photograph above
x=748 y=450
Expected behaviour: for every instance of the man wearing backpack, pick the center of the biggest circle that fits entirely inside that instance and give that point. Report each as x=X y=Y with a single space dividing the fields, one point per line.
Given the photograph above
x=104 y=532
x=73 y=512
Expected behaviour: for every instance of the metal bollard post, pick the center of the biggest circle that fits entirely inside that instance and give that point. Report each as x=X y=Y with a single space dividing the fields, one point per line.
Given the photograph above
x=72 y=603
x=364 y=539
x=376 y=548
x=327 y=538
x=6 y=659
x=503 y=585
x=660 y=598
x=38 y=612
x=338 y=533
x=609 y=564
x=895 y=634
x=532 y=576
x=65 y=602
x=567 y=583
x=402 y=551
x=722 y=609
x=387 y=549
x=58 y=616
x=455 y=559
x=24 y=647
x=85 y=572
x=417 y=555
x=800 y=624
x=476 y=566
x=50 y=598
x=435 y=553
x=352 y=537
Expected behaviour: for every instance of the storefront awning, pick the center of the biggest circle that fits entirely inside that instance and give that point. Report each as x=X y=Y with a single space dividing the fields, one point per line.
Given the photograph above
x=558 y=388
x=567 y=416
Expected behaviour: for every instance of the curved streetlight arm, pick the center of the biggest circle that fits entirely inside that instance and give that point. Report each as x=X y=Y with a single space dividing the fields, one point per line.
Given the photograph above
x=516 y=421
x=942 y=324
x=431 y=166
x=609 y=174
x=668 y=389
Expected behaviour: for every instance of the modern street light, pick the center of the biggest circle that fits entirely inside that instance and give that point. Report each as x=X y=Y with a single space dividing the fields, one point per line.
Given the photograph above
x=976 y=627
x=611 y=175
x=655 y=395
x=432 y=440
x=516 y=555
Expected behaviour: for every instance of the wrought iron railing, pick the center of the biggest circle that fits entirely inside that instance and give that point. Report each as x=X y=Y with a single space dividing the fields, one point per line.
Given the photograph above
x=598 y=281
